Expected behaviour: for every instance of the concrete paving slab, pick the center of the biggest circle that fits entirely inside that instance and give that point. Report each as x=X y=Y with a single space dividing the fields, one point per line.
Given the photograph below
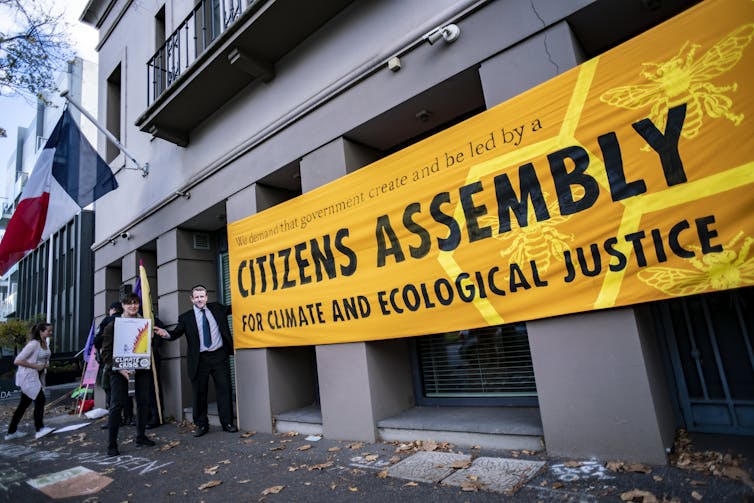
x=425 y=466
x=502 y=475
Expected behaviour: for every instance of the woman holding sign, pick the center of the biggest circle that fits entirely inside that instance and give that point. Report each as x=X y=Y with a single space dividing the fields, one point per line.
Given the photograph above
x=119 y=382
x=32 y=364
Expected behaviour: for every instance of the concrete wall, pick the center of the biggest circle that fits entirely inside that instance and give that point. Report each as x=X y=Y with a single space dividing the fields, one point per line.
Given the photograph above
x=179 y=267
x=326 y=66
x=598 y=376
x=598 y=387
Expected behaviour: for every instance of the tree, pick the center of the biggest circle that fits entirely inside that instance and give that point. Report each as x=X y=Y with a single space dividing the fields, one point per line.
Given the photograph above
x=34 y=47
x=13 y=332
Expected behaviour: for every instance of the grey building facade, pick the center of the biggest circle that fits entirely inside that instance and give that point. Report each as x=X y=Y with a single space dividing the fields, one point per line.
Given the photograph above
x=238 y=106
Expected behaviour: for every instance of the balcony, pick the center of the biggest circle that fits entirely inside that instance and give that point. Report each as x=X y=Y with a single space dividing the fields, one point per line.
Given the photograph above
x=220 y=48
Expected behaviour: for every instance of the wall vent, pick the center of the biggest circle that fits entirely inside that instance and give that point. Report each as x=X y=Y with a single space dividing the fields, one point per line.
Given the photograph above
x=201 y=241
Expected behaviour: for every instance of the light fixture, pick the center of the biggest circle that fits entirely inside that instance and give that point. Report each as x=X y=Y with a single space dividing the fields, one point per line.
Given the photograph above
x=424 y=115
x=125 y=235
x=449 y=33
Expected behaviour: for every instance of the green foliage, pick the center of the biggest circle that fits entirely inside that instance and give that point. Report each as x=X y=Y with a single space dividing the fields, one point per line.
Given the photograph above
x=34 y=47
x=13 y=332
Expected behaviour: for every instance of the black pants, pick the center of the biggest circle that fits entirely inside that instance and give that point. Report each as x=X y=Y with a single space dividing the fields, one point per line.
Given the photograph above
x=217 y=365
x=39 y=410
x=119 y=400
x=128 y=407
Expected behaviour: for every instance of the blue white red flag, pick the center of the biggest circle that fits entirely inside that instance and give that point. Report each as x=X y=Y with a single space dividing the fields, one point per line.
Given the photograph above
x=68 y=175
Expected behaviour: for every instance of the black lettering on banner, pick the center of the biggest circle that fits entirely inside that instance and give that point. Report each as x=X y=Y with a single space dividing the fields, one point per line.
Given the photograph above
x=303 y=264
x=350 y=268
x=635 y=239
x=241 y=289
x=666 y=145
x=322 y=259
x=425 y=241
x=385 y=230
x=616 y=176
x=453 y=238
x=531 y=192
x=582 y=265
x=473 y=212
x=706 y=234
x=613 y=252
x=286 y=256
x=564 y=180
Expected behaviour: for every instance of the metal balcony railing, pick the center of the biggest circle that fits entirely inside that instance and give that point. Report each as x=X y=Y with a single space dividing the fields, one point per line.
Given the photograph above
x=207 y=20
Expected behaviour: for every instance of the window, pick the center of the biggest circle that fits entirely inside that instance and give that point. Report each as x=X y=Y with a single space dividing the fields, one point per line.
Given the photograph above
x=113 y=112
x=160 y=59
x=484 y=366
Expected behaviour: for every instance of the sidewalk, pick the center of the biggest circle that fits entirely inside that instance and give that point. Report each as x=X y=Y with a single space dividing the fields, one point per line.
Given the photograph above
x=248 y=466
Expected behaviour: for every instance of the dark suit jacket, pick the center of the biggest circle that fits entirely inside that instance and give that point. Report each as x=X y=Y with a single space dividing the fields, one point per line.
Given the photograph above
x=187 y=325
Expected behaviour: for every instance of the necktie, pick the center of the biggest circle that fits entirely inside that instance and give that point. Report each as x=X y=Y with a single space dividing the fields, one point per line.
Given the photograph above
x=206 y=330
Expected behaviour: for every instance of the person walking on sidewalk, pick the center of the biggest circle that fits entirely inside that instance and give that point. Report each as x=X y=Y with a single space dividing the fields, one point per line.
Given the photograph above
x=32 y=363
x=209 y=346
x=119 y=384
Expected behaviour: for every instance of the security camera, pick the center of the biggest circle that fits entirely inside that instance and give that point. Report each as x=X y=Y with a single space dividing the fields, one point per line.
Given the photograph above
x=125 y=235
x=448 y=33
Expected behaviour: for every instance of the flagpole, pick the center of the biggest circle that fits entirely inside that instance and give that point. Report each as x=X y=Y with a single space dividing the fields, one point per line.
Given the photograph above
x=144 y=169
x=48 y=318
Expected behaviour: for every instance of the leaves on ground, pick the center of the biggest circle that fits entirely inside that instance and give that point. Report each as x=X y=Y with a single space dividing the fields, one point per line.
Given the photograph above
x=424 y=445
x=211 y=483
x=272 y=490
x=712 y=462
x=460 y=464
x=471 y=486
x=639 y=495
x=169 y=445
x=248 y=434
x=321 y=466
x=622 y=466
x=304 y=447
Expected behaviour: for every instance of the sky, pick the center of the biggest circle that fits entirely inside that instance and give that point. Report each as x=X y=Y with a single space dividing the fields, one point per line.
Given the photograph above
x=16 y=112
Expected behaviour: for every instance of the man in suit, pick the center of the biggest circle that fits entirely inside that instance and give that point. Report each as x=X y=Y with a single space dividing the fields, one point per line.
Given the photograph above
x=209 y=344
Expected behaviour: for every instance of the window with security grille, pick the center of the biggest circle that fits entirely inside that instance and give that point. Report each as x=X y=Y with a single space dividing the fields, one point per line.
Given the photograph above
x=490 y=362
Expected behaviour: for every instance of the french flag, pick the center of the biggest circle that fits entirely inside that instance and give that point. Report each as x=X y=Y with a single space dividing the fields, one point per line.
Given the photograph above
x=68 y=175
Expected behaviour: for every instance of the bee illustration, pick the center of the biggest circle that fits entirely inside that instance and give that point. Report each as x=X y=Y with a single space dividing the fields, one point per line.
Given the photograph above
x=684 y=79
x=714 y=271
x=538 y=241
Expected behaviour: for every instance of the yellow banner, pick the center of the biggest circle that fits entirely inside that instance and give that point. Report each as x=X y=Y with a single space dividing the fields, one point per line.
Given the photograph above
x=627 y=179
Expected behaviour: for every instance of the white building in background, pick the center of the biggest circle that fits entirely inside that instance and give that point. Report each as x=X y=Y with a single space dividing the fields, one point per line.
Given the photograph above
x=23 y=289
